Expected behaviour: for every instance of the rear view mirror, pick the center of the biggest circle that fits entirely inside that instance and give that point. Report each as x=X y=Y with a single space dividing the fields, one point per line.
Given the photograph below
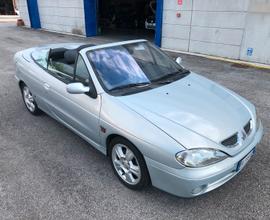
x=77 y=88
x=178 y=60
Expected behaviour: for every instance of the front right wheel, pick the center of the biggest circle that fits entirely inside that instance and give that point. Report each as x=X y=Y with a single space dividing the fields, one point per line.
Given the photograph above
x=128 y=164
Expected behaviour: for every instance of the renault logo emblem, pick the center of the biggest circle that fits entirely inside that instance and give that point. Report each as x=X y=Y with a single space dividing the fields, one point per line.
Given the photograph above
x=244 y=135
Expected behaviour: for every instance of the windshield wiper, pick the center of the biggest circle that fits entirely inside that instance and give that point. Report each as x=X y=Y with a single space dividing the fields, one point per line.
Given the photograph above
x=130 y=86
x=171 y=75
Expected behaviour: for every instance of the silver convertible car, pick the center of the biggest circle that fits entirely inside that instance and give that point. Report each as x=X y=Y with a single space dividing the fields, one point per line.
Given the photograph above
x=158 y=123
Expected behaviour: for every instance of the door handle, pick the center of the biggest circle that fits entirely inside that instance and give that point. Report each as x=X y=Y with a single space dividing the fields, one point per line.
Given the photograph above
x=46 y=86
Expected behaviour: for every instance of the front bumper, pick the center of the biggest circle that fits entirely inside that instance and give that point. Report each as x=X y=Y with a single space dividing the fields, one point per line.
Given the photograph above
x=190 y=182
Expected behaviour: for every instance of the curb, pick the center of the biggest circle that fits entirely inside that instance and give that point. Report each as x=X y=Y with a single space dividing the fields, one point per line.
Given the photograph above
x=241 y=62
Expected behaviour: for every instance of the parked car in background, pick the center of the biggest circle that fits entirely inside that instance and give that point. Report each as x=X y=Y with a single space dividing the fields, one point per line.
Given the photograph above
x=158 y=122
x=150 y=15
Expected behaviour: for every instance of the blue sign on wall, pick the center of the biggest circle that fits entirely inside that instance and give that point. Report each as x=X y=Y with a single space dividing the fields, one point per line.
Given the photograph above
x=249 y=51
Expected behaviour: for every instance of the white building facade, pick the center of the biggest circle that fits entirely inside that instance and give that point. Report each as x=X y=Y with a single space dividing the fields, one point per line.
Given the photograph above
x=232 y=29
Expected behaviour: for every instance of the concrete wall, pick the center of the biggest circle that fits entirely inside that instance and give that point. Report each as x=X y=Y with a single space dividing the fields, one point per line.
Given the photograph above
x=22 y=5
x=220 y=28
x=62 y=15
x=57 y=15
x=257 y=32
x=176 y=31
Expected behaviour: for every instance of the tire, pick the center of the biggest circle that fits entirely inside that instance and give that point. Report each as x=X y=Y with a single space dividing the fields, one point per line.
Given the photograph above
x=128 y=164
x=29 y=101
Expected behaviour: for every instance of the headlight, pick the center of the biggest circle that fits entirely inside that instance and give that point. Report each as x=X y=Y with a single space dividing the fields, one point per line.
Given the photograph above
x=200 y=157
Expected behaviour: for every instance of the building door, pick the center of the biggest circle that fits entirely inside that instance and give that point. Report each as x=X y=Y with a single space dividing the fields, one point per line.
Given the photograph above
x=124 y=19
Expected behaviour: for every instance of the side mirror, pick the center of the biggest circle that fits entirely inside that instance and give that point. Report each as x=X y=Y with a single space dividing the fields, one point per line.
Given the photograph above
x=178 y=60
x=77 y=88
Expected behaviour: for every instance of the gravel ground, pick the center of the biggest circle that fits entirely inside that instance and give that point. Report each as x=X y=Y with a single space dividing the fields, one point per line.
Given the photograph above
x=47 y=172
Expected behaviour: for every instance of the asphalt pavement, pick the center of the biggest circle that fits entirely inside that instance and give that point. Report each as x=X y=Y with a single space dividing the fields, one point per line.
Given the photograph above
x=48 y=172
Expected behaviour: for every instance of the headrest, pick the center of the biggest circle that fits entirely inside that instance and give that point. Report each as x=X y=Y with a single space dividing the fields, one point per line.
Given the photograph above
x=57 y=53
x=71 y=56
x=85 y=46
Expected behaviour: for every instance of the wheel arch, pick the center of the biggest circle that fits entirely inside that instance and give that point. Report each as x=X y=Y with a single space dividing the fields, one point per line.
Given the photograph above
x=113 y=136
x=110 y=138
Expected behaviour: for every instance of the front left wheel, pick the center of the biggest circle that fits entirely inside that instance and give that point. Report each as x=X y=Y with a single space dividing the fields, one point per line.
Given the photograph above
x=128 y=164
x=29 y=101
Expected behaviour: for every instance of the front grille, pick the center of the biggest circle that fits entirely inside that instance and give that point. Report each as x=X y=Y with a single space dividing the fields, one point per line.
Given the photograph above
x=231 y=141
x=247 y=127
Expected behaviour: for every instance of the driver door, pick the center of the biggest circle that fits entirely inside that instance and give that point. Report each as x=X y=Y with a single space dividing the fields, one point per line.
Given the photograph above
x=80 y=112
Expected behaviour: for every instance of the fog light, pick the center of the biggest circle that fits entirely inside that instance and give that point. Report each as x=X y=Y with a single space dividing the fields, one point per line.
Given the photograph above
x=199 y=189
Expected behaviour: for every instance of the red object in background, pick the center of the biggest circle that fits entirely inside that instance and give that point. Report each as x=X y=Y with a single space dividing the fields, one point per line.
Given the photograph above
x=180 y=2
x=20 y=22
x=178 y=14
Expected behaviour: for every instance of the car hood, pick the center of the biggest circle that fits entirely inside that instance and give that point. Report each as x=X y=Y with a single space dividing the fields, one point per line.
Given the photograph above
x=194 y=103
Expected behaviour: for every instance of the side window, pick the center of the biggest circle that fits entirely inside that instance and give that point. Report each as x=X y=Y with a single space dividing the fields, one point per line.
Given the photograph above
x=40 y=56
x=81 y=72
x=61 y=64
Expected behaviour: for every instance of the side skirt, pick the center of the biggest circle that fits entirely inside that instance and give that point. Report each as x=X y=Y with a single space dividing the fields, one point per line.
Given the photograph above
x=88 y=140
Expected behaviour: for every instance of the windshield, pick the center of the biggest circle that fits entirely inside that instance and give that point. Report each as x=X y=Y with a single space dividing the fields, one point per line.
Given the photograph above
x=131 y=65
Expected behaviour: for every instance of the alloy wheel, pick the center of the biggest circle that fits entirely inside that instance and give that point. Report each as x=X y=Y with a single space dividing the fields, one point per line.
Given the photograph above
x=28 y=99
x=126 y=164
